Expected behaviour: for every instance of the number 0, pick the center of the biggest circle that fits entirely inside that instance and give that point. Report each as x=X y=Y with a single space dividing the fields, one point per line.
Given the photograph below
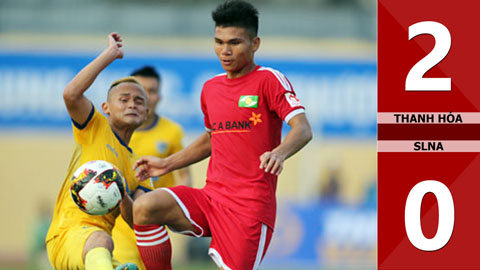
x=446 y=215
x=443 y=42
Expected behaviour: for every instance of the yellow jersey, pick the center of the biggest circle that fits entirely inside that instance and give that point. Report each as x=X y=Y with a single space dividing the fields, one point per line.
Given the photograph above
x=94 y=140
x=162 y=139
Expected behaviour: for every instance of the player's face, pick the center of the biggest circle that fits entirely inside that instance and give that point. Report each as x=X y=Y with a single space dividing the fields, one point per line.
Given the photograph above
x=235 y=50
x=152 y=87
x=127 y=105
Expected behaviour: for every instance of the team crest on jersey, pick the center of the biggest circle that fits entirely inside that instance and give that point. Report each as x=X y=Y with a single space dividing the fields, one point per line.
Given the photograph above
x=292 y=99
x=162 y=147
x=248 y=101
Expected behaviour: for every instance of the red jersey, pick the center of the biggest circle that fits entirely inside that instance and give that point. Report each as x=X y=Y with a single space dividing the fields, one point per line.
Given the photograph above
x=244 y=116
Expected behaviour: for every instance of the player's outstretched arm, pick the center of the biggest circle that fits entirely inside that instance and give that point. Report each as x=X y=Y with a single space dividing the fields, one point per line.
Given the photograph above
x=150 y=166
x=126 y=206
x=77 y=104
x=296 y=139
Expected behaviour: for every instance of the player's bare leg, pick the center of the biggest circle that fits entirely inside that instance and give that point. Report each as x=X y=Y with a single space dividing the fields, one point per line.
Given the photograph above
x=151 y=212
x=97 y=251
x=159 y=207
x=97 y=239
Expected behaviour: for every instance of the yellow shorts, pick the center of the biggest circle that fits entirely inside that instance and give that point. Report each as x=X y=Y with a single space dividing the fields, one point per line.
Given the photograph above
x=65 y=250
x=125 y=244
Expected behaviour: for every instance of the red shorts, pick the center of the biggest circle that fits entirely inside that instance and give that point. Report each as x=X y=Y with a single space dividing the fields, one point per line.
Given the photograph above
x=238 y=242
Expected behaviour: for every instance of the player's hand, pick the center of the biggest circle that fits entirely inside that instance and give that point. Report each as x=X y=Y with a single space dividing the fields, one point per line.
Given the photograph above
x=115 y=45
x=272 y=162
x=150 y=166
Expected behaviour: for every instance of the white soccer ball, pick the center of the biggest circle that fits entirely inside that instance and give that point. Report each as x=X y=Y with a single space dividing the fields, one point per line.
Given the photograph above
x=97 y=187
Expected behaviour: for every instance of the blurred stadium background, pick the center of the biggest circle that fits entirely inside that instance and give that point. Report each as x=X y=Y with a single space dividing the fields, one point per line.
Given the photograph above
x=327 y=192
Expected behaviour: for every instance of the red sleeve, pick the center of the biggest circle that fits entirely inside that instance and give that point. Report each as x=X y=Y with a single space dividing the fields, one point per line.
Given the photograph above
x=206 y=120
x=280 y=96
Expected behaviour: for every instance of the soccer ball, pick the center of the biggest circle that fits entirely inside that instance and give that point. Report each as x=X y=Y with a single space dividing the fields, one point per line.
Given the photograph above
x=97 y=187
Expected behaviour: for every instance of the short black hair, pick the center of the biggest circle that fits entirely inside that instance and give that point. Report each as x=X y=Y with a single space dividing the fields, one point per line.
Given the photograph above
x=237 y=13
x=147 y=71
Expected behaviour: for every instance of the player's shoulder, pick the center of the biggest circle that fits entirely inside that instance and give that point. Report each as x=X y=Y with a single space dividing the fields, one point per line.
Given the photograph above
x=271 y=73
x=268 y=71
x=97 y=115
x=167 y=124
x=274 y=76
x=95 y=120
x=216 y=78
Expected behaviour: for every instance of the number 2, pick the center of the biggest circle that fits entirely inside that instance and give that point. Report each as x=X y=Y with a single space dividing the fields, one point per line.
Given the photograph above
x=443 y=42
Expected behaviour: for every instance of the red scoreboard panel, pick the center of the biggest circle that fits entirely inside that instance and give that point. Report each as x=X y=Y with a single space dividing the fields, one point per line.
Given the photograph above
x=428 y=134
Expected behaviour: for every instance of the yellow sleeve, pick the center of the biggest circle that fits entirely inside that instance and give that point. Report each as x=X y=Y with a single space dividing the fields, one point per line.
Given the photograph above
x=85 y=133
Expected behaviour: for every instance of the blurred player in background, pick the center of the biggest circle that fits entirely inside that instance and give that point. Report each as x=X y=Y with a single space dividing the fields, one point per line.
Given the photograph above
x=75 y=239
x=157 y=136
x=243 y=112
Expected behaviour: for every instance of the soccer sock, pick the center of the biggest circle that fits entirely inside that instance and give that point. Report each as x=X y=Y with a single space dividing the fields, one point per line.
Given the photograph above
x=154 y=246
x=98 y=258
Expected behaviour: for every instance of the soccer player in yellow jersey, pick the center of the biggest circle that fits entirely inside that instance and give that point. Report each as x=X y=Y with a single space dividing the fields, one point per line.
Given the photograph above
x=157 y=136
x=75 y=239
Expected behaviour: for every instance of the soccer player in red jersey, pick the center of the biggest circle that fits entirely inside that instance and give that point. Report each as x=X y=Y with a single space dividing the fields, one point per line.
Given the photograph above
x=243 y=113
